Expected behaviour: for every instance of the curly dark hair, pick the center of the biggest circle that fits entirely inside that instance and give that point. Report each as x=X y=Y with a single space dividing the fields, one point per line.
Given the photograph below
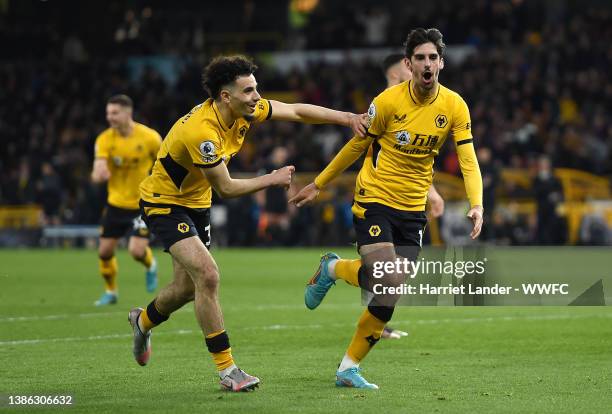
x=419 y=36
x=223 y=70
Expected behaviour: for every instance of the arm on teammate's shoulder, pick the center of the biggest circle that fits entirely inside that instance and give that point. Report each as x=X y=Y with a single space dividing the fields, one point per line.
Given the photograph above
x=350 y=153
x=100 y=171
x=228 y=187
x=313 y=114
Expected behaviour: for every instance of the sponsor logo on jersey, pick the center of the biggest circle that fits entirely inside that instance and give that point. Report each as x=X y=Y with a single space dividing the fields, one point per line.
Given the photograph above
x=398 y=118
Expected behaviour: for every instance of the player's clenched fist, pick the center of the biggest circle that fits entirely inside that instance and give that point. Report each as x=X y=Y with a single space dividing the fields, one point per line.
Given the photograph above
x=282 y=177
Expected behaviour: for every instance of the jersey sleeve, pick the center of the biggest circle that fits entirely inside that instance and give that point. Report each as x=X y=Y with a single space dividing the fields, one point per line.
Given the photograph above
x=462 y=126
x=263 y=111
x=349 y=153
x=377 y=118
x=205 y=151
x=102 y=147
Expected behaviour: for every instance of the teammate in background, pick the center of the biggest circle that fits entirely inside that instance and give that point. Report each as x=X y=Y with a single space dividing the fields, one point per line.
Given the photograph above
x=124 y=155
x=408 y=123
x=176 y=200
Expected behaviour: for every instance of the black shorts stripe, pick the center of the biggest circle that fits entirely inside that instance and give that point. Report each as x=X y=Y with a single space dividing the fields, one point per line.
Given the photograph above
x=465 y=141
x=176 y=171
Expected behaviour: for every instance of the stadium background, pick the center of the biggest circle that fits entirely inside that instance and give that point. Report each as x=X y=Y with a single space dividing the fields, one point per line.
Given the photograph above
x=535 y=74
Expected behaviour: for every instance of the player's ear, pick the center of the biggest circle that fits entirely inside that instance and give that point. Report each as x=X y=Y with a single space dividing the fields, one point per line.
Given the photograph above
x=225 y=96
x=407 y=63
x=441 y=63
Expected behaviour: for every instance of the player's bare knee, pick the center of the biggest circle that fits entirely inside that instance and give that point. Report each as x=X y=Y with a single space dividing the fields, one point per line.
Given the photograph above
x=208 y=278
x=137 y=252
x=105 y=253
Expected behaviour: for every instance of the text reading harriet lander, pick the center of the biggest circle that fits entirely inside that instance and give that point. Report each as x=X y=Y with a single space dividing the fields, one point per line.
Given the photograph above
x=427 y=289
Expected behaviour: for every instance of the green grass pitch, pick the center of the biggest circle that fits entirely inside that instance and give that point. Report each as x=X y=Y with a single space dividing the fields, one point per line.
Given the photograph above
x=53 y=341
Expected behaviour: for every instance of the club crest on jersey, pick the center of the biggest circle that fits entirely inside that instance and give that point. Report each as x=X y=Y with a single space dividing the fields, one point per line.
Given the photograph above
x=208 y=151
x=403 y=137
x=441 y=120
x=371 y=114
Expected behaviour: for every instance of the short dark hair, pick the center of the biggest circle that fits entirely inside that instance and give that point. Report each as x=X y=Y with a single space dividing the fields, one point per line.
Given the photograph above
x=122 y=100
x=224 y=70
x=419 y=36
x=391 y=60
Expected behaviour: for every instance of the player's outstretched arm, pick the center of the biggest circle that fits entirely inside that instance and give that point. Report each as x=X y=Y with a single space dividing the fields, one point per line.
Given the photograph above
x=473 y=184
x=228 y=187
x=100 y=172
x=313 y=114
x=350 y=153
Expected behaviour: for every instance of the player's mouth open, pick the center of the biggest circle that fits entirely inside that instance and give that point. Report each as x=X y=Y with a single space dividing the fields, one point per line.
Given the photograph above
x=427 y=76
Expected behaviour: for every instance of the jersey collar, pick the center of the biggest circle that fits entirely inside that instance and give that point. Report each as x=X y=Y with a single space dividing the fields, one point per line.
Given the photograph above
x=224 y=127
x=414 y=98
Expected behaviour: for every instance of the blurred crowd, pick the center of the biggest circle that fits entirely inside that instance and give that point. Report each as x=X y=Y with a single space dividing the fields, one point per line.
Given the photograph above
x=538 y=87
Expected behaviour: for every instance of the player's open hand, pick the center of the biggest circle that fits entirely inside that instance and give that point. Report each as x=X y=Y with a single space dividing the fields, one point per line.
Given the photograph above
x=282 y=177
x=475 y=214
x=305 y=196
x=358 y=123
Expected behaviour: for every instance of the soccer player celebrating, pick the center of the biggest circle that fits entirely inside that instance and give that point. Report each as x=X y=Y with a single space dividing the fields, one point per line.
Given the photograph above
x=124 y=155
x=397 y=71
x=408 y=123
x=176 y=200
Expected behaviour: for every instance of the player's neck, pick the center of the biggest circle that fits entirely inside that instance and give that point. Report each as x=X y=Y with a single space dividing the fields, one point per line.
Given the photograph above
x=126 y=130
x=227 y=116
x=424 y=95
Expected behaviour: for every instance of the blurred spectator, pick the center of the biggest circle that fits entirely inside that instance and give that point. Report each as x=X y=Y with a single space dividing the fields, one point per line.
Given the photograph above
x=50 y=195
x=490 y=180
x=276 y=207
x=548 y=194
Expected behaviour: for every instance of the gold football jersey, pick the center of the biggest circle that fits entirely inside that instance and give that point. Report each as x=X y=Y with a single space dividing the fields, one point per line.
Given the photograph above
x=129 y=160
x=200 y=139
x=408 y=134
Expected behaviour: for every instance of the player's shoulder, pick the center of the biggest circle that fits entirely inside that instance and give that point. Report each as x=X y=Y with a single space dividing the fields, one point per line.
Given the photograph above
x=104 y=135
x=450 y=96
x=146 y=130
x=391 y=97
x=198 y=124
